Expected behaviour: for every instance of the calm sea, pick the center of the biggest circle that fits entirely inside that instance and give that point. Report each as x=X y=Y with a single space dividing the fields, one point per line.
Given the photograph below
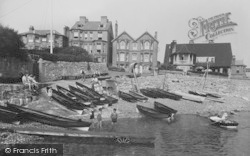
x=188 y=135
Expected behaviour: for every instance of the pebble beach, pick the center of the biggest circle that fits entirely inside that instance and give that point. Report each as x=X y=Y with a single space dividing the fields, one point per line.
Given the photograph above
x=235 y=94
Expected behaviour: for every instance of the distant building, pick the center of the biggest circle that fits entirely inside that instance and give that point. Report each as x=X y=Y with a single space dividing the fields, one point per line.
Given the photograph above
x=93 y=36
x=127 y=50
x=193 y=55
x=238 y=69
x=40 y=39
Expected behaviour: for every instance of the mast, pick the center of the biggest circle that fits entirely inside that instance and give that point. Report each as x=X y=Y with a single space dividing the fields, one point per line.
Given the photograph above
x=51 y=27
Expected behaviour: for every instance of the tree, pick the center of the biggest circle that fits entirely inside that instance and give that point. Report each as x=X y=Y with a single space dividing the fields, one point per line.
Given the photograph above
x=10 y=43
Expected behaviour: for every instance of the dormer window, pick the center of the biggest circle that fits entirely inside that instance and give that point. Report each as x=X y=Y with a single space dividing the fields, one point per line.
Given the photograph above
x=79 y=25
x=122 y=45
x=134 y=46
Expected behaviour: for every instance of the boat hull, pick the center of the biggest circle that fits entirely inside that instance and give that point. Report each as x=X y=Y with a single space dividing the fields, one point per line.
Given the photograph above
x=151 y=112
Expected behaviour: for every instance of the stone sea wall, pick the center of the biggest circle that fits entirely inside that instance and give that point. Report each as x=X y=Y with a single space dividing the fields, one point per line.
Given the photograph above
x=50 y=71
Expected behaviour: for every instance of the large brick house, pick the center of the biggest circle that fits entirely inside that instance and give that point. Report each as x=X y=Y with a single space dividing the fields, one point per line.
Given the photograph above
x=187 y=56
x=93 y=36
x=127 y=50
x=40 y=39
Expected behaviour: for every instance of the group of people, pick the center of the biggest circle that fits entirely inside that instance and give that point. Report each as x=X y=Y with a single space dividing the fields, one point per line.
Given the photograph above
x=113 y=116
x=29 y=80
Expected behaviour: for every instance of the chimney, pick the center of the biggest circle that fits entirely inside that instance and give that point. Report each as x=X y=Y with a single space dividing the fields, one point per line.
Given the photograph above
x=156 y=35
x=104 y=19
x=116 y=29
x=83 y=19
x=66 y=31
x=31 y=28
x=191 y=41
x=173 y=46
x=233 y=60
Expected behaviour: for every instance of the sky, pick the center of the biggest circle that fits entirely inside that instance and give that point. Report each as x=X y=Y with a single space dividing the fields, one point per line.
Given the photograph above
x=168 y=17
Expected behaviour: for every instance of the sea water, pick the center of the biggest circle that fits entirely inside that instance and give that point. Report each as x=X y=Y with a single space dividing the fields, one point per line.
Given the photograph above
x=187 y=135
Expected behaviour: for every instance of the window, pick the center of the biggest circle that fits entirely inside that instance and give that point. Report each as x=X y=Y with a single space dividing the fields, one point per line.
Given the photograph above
x=151 y=57
x=91 y=35
x=99 y=35
x=122 y=45
x=85 y=46
x=99 y=51
x=146 y=45
x=44 y=39
x=134 y=46
x=99 y=46
x=146 y=57
x=122 y=56
x=134 y=57
x=86 y=36
x=76 y=34
x=101 y=25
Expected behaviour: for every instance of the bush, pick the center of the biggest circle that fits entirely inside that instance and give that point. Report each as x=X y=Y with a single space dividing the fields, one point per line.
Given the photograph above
x=69 y=54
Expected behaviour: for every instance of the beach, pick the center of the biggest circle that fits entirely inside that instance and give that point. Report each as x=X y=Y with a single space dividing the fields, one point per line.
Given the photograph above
x=235 y=94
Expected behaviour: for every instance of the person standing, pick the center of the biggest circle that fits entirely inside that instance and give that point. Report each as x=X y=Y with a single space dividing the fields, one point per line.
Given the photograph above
x=49 y=92
x=83 y=75
x=114 y=116
x=99 y=118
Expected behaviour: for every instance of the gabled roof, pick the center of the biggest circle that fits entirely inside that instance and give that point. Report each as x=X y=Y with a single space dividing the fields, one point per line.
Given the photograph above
x=221 y=51
x=91 y=26
x=147 y=33
x=123 y=33
x=41 y=32
x=183 y=49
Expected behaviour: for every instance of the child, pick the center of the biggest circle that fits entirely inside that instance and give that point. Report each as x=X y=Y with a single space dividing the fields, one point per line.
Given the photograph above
x=114 y=116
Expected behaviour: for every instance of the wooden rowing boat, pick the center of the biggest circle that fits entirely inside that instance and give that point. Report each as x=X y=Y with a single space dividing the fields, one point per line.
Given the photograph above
x=50 y=119
x=74 y=97
x=163 y=108
x=138 y=96
x=151 y=112
x=127 y=97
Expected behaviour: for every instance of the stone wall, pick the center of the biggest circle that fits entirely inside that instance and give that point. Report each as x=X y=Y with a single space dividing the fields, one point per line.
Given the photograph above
x=51 y=71
x=13 y=67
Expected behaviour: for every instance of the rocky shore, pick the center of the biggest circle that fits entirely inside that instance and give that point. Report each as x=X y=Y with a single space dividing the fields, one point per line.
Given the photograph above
x=235 y=94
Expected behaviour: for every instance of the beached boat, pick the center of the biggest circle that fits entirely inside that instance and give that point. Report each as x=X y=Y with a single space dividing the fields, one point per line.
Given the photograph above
x=167 y=94
x=96 y=101
x=164 y=109
x=190 y=97
x=198 y=93
x=127 y=97
x=152 y=113
x=138 y=96
x=105 y=98
x=74 y=97
x=8 y=115
x=222 y=122
x=68 y=102
x=50 y=119
x=148 y=93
